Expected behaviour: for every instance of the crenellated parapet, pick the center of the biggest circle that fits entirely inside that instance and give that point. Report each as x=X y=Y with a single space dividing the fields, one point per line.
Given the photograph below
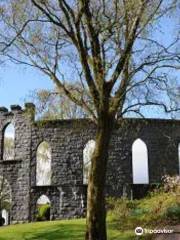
x=13 y=110
x=17 y=109
x=3 y=110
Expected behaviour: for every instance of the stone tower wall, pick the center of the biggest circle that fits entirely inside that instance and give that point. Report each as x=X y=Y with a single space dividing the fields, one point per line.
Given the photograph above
x=67 y=139
x=17 y=171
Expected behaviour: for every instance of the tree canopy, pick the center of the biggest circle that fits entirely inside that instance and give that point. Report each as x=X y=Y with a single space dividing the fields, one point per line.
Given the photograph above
x=113 y=50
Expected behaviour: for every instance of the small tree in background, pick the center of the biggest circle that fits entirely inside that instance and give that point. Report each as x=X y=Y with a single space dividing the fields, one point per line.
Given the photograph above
x=50 y=104
x=112 y=49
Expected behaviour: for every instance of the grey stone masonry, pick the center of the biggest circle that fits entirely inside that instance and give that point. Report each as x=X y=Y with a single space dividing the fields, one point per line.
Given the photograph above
x=67 y=139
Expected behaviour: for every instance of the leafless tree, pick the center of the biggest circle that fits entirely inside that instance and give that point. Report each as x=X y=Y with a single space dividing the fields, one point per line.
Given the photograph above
x=111 y=48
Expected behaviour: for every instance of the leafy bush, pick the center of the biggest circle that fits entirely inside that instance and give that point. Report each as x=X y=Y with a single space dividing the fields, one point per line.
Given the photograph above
x=160 y=207
x=43 y=212
x=173 y=212
x=120 y=211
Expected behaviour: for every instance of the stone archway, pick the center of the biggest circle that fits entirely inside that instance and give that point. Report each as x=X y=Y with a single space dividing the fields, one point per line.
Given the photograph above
x=5 y=201
x=43 y=206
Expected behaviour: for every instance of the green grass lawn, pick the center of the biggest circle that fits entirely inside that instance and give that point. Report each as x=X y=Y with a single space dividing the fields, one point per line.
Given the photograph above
x=57 y=230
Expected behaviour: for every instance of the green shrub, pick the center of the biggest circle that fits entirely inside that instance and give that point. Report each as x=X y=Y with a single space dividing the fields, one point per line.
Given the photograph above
x=173 y=213
x=159 y=208
x=43 y=212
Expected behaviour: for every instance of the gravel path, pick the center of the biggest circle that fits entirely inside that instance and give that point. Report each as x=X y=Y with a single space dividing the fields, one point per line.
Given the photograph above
x=173 y=236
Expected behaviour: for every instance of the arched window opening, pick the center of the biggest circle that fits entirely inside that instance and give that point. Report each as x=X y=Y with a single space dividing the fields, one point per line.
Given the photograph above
x=5 y=201
x=5 y=217
x=43 y=165
x=140 y=162
x=43 y=208
x=179 y=157
x=87 y=155
x=8 y=142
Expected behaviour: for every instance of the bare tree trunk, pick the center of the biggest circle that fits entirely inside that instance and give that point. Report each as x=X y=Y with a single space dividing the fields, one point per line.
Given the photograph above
x=96 y=213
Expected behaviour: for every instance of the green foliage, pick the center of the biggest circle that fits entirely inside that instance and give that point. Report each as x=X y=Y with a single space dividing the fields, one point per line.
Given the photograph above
x=173 y=212
x=51 y=105
x=159 y=208
x=120 y=208
x=43 y=212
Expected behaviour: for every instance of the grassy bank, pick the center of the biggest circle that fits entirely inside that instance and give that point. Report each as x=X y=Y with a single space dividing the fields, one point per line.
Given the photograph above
x=159 y=209
x=57 y=230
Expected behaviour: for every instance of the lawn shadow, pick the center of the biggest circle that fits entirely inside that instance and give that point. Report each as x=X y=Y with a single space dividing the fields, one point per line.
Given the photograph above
x=57 y=232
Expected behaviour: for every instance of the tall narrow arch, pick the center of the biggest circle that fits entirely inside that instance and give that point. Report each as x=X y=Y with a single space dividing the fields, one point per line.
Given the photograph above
x=87 y=155
x=8 y=142
x=140 y=162
x=5 y=216
x=43 y=164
